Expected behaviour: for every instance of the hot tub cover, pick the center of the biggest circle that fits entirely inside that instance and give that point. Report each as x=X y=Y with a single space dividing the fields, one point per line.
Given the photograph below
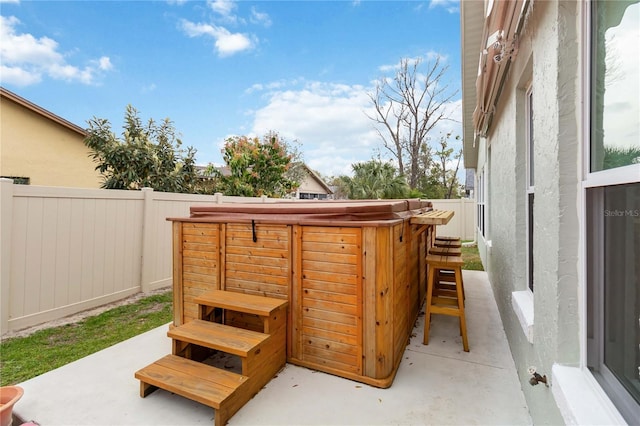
x=305 y=211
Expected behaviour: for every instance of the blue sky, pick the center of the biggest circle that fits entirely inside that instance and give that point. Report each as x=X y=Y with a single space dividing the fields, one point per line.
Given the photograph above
x=222 y=68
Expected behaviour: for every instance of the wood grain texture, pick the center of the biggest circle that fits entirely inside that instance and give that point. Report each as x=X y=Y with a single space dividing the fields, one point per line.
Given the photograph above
x=330 y=327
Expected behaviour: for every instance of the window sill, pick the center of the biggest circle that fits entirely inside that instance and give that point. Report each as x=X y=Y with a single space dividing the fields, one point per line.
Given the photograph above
x=522 y=303
x=580 y=399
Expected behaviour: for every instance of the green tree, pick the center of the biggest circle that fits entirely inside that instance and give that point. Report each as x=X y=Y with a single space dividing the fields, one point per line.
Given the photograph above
x=373 y=180
x=256 y=167
x=443 y=176
x=147 y=156
x=619 y=157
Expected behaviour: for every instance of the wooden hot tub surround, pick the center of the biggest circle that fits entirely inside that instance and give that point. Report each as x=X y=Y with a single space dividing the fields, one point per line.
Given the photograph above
x=352 y=275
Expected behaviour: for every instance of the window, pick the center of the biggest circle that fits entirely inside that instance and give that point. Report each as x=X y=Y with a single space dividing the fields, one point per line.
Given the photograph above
x=311 y=196
x=480 y=203
x=612 y=204
x=17 y=180
x=529 y=183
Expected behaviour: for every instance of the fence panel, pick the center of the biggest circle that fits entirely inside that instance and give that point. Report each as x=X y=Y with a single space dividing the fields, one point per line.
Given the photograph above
x=70 y=250
x=463 y=222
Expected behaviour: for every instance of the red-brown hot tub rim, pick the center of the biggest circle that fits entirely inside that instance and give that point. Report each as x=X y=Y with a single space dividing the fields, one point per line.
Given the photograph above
x=335 y=212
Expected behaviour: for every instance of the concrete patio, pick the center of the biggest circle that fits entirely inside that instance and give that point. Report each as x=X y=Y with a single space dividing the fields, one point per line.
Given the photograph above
x=436 y=384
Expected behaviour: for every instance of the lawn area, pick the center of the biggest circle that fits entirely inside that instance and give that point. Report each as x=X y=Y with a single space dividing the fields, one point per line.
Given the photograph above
x=22 y=358
x=471 y=258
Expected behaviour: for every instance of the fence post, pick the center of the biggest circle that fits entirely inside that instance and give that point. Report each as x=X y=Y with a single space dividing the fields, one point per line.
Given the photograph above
x=6 y=223
x=147 y=240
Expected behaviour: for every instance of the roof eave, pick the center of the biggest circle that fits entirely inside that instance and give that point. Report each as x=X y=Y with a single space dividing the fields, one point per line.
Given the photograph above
x=472 y=23
x=41 y=111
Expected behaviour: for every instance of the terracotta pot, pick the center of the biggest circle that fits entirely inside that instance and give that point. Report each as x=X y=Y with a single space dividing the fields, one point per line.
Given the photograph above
x=9 y=395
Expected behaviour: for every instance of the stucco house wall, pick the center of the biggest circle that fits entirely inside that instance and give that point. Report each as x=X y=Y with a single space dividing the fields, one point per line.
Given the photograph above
x=545 y=328
x=43 y=147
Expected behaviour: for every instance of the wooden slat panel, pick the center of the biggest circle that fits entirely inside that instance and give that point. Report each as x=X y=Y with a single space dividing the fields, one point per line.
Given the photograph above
x=329 y=363
x=341 y=268
x=330 y=277
x=250 y=259
x=328 y=235
x=401 y=288
x=320 y=248
x=258 y=289
x=333 y=336
x=384 y=303
x=200 y=266
x=259 y=268
x=331 y=296
x=309 y=322
x=280 y=280
x=330 y=287
x=330 y=306
x=330 y=332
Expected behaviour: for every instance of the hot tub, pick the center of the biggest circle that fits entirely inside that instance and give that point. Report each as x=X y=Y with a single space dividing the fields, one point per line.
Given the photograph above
x=353 y=273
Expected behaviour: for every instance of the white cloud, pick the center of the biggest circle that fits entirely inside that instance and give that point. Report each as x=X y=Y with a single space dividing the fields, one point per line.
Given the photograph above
x=104 y=63
x=451 y=6
x=229 y=43
x=260 y=18
x=330 y=121
x=222 y=7
x=18 y=76
x=430 y=57
x=226 y=43
x=25 y=58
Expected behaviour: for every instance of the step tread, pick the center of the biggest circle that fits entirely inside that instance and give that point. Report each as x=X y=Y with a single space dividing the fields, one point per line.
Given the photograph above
x=221 y=337
x=194 y=380
x=241 y=302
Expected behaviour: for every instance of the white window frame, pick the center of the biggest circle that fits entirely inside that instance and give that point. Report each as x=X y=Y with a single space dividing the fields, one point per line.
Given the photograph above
x=529 y=183
x=522 y=301
x=480 y=204
x=592 y=405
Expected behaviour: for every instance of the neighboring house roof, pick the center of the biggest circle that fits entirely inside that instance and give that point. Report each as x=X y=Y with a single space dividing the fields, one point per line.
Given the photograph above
x=41 y=111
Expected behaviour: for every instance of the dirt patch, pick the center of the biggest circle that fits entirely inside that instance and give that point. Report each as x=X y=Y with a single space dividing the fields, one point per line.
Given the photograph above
x=72 y=319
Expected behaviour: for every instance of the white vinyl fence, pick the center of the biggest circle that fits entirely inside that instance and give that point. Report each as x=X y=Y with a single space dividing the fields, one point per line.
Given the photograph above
x=65 y=250
x=463 y=222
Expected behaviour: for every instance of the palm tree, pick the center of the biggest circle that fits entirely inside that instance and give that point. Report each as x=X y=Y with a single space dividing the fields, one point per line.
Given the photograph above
x=618 y=157
x=374 y=180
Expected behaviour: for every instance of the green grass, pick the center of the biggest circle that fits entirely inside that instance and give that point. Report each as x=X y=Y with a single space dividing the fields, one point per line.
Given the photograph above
x=22 y=358
x=471 y=258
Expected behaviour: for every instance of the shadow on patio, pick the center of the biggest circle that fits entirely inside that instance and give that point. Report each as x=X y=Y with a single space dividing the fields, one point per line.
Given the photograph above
x=435 y=384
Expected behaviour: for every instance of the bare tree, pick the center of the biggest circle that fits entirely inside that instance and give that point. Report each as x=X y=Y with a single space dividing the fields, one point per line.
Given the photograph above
x=408 y=107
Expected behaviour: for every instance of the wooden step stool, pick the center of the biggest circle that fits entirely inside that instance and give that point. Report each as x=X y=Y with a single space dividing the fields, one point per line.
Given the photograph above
x=262 y=352
x=445 y=281
x=449 y=305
